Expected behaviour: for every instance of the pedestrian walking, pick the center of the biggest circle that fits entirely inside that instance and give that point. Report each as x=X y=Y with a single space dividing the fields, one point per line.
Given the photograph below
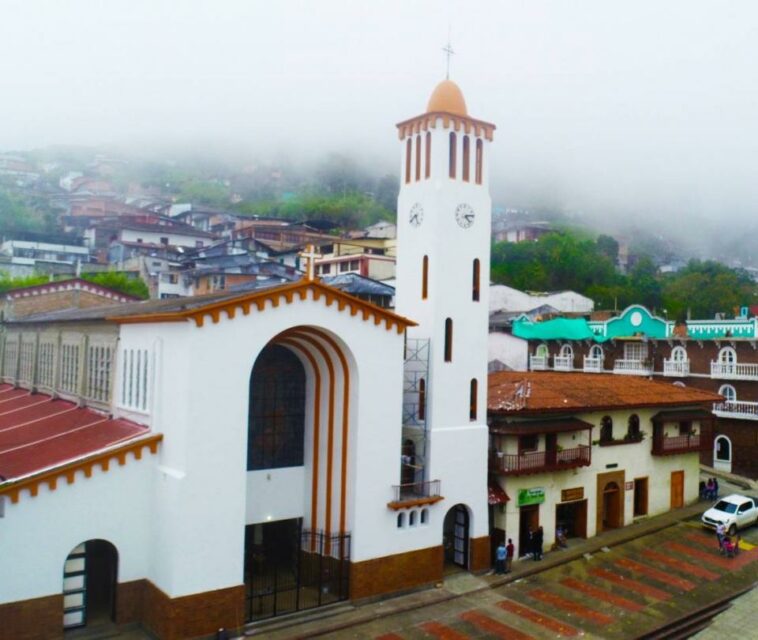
x=509 y=555
x=715 y=488
x=500 y=555
x=721 y=534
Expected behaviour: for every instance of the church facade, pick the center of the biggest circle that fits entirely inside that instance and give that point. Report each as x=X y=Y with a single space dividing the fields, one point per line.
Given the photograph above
x=192 y=464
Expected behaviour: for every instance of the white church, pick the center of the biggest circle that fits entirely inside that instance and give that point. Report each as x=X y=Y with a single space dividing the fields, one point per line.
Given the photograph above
x=198 y=463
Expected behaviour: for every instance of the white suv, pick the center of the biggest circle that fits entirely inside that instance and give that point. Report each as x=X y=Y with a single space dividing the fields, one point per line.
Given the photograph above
x=734 y=511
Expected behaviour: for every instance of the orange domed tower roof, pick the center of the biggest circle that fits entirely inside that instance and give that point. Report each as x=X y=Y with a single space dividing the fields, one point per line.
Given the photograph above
x=447 y=97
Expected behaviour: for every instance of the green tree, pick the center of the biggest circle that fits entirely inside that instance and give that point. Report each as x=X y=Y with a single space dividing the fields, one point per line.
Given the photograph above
x=119 y=282
x=608 y=246
x=706 y=288
x=644 y=285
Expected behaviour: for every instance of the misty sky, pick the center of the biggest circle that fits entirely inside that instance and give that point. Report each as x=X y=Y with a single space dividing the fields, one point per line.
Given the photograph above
x=627 y=107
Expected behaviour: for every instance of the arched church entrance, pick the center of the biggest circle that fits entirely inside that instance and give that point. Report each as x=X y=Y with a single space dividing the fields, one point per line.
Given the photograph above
x=298 y=421
x=90 y=573
x=455 y=538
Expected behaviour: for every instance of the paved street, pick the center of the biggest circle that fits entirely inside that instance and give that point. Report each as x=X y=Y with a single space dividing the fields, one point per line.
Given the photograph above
x=650 y=573
x=620 y=593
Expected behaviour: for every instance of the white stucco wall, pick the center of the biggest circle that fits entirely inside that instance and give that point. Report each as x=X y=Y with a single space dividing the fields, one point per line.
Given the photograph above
x=635 y=460
x=38 y=533
x=512 y=351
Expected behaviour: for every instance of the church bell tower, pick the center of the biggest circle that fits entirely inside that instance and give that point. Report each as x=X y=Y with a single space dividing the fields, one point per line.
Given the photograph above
x=444 y=221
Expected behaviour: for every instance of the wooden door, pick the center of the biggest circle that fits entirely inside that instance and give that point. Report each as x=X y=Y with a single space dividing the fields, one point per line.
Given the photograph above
x=529 y=518
x=677 y=489
x=640 y=496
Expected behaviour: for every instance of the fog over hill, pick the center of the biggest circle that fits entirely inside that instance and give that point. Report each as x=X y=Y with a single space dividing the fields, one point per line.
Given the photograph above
x=639 y=112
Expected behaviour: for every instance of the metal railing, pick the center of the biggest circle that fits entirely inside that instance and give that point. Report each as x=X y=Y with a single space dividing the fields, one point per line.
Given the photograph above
x=734 y=370
x=736 y=409
x=538 y=363
x=633 y=367
x=593 y=365
x=416 y=490
x=676 y=368
x=563 y=363
x=514 y=464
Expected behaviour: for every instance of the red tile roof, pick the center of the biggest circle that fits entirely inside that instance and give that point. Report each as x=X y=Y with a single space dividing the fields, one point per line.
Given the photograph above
x=38 y=432
x=531 y=392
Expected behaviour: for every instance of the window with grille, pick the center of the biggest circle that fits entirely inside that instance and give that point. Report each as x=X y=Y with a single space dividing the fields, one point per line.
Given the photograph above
x=99 y=359
x=46 y=365
x=70 y=368
x=134 y=379
x=26 y=362
x=9 y=360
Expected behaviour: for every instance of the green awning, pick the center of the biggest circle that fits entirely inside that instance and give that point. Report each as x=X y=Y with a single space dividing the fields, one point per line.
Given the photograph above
x=557 y=329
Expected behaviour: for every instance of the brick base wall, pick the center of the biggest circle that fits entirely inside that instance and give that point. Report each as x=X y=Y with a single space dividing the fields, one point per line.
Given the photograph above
x=400 y=572
x=480 y=558
x=198 y=615
x=36 y=619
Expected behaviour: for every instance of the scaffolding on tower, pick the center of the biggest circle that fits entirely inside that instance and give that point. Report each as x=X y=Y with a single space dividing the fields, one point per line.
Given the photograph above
x=415 y=388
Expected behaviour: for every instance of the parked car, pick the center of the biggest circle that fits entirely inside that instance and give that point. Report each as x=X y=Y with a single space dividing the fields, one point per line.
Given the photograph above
x=734 y=511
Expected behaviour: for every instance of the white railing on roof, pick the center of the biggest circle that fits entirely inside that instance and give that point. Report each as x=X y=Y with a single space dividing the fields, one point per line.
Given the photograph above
x=563 y=363
x=734 y=370
x=593 y=365
x=736 y=409
x=538 y=363
x=633 y=367
x=676 y=368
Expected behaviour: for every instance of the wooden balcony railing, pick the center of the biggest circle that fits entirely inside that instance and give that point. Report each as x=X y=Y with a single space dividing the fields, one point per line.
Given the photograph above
x=511 y=464
x=538 y=363
x=671 y=445
x=563 y=363
x=415 y=493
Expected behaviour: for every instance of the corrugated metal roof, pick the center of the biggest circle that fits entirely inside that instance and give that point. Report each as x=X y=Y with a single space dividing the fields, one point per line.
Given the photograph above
x=38 y=432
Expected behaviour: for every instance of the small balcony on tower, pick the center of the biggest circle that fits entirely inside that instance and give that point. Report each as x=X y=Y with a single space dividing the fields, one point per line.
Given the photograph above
x=539 y=446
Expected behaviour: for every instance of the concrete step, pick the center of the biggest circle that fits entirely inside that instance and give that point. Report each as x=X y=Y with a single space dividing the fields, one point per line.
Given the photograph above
x=260 y=629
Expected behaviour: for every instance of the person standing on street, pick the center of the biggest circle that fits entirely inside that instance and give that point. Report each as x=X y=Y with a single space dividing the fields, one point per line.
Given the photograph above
x=500 y=555
x=509 y=556
x=540 y=541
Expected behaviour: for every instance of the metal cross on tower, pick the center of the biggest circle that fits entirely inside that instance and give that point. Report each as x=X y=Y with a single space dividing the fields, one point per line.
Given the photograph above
x=310 y=255
x=448 y=49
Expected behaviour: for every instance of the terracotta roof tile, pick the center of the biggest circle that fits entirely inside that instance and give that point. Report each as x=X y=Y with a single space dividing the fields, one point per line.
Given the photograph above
x=531 y=392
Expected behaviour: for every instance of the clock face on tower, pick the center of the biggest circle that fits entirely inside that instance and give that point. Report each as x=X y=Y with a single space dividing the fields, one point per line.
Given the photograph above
x=464 y=215
x=416 y=215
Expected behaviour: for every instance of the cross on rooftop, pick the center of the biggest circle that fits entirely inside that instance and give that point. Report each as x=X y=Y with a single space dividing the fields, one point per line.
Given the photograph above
x=310 y=255
x=448 y=49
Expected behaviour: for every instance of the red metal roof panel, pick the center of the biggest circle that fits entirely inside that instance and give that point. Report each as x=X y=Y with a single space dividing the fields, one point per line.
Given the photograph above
x=50 y=432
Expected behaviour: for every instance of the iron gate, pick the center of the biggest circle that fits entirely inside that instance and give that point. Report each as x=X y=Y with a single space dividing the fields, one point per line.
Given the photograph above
x=288 y=568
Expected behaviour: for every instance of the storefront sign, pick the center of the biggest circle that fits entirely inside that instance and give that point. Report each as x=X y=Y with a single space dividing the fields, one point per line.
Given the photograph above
x=577 y=493
x=531 y=496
